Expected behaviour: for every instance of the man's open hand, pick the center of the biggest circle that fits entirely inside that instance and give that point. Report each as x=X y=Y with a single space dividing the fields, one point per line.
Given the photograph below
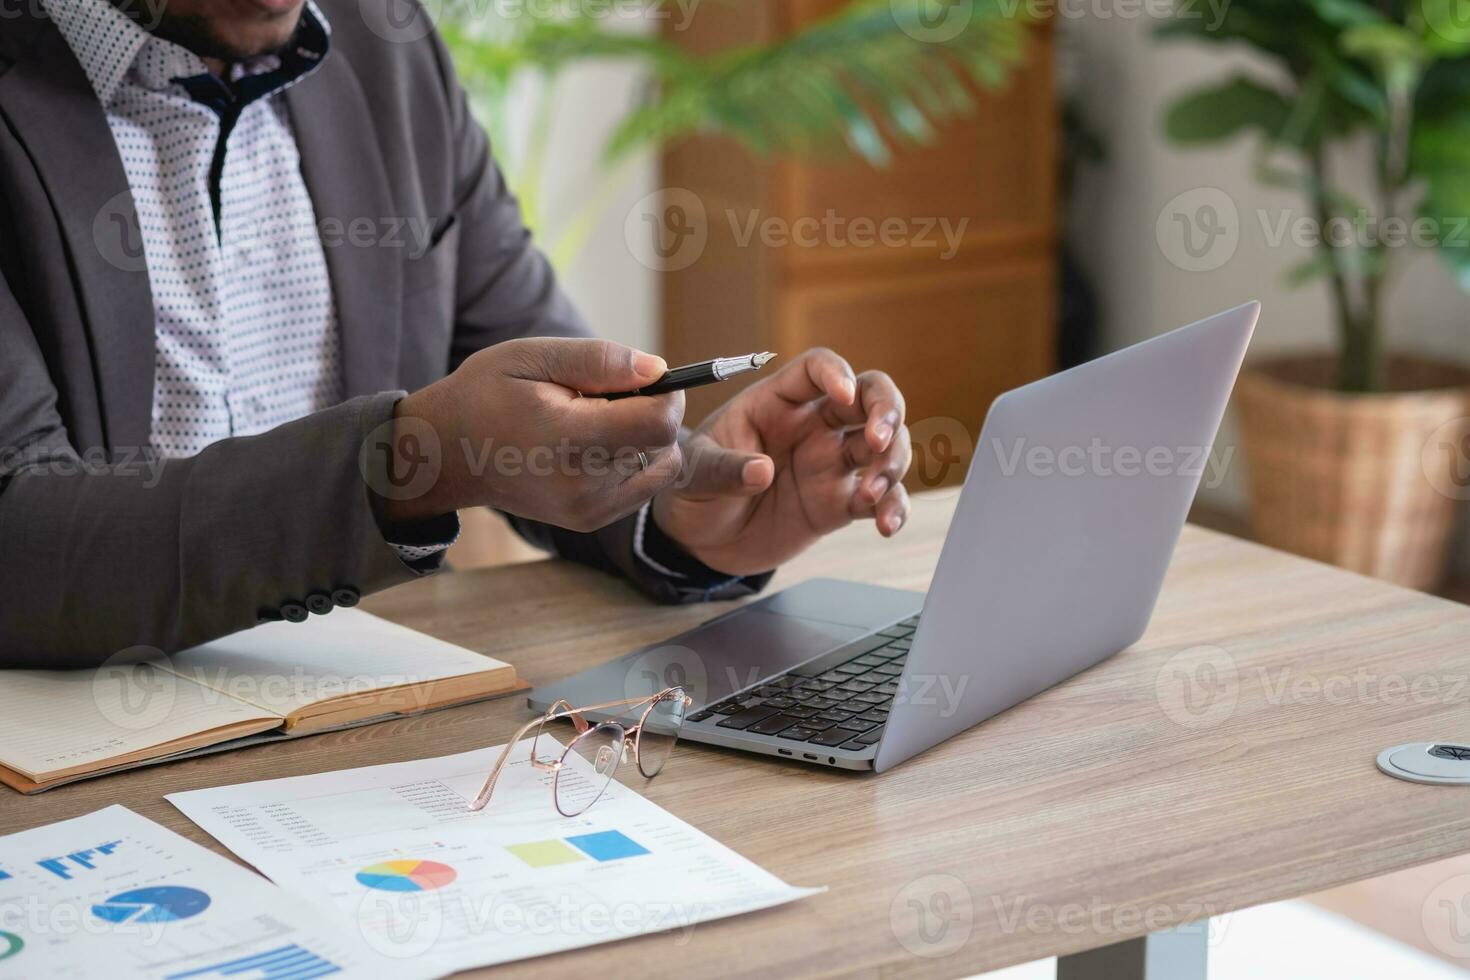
x=790 y=459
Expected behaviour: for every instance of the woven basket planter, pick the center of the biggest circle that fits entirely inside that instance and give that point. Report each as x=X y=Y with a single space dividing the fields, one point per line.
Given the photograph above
x=1355 y=480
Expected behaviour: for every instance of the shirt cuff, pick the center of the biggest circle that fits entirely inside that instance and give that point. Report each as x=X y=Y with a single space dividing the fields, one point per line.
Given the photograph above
x=693 y=579
x=421 y=546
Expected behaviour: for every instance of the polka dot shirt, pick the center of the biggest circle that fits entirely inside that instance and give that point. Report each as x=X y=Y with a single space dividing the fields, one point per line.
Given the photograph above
x=245 y=334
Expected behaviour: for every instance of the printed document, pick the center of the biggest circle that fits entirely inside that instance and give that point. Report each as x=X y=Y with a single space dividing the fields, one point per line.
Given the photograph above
x=395 y=853
x=114 y=895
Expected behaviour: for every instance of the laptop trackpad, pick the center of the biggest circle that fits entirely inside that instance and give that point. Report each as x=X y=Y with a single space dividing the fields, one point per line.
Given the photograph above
x=711 y=662
x=733 y=652
x=742 y=650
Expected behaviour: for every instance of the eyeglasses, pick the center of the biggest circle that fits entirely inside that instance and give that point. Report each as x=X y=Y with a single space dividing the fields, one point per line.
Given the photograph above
x=603 y=746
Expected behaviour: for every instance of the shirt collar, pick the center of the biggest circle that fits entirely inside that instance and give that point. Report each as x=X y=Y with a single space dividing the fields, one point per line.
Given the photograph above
x=110 y=45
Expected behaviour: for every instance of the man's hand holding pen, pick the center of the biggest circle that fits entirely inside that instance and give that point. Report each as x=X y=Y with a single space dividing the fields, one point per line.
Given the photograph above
x=789 y=459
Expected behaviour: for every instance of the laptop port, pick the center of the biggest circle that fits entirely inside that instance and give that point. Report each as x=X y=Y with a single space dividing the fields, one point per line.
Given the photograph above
x=784 y=751
x=808 y=755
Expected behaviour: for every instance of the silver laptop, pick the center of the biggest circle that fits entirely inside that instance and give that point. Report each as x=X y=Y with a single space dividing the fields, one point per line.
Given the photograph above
x=1074 y=502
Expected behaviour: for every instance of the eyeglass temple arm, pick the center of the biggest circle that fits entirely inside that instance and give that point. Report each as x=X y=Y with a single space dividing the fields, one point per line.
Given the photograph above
x=484 y=795
x=558 y=710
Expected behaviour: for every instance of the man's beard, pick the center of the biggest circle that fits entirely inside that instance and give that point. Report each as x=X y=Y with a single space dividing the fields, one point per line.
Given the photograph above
x=194 y=33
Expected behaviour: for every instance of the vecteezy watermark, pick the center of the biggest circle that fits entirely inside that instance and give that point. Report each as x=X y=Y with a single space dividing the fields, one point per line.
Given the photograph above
x=407 y=925
x=1212 y=12
x=932 y=916
x=1092 y=916
x=401 y=21
x=1286 y=687
x=1445 y=917
x=670 y=666
x=670 y=229
x=135 y=689
x=402 y=459
x=136 y=463
x=138 y=688
x=1199 y=230
x=119 y=240
x=943 y=692
x=405 y=21
x=300 y=685
x=400 y=925
x=941 y=235
x=942 y=448
x=40 y=920
x=116 y=234
x=1362 y=230
x=1198 y=688
x=1450 y=19
x=1446 y=459
x=147 y=14
x=1101 y=459
x=678 y=14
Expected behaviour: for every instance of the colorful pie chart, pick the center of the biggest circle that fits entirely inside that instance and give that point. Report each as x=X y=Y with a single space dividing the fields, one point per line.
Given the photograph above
x=406 y=876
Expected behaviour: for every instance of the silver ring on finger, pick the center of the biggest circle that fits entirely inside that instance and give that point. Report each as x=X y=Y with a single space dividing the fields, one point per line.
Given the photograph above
x=643 y=459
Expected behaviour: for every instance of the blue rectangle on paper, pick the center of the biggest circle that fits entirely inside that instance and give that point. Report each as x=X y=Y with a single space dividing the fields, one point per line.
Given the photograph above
x=610 y=845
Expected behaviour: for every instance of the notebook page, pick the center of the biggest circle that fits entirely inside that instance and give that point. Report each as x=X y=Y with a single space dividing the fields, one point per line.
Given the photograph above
x=57 y=720
x=283 y=667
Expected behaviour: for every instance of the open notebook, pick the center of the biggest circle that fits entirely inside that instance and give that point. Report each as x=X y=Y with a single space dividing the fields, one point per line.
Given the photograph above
x=279 y=680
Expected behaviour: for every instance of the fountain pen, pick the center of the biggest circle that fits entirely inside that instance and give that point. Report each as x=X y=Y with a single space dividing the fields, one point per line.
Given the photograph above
x=699 y=375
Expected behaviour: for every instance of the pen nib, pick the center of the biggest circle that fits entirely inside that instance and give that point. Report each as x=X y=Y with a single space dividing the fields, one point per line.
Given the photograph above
x=761 y=360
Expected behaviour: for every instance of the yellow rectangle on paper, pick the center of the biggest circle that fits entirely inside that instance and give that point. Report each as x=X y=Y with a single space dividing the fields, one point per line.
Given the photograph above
x=545 y=853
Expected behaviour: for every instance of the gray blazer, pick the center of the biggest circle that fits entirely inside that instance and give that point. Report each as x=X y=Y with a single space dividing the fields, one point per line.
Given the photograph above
x=105 y=550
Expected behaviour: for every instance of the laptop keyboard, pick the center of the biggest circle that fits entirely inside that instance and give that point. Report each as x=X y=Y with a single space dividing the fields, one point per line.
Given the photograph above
x=844 y=706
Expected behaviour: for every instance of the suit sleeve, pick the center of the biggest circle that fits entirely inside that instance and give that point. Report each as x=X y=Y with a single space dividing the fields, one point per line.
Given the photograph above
x=507 y=289
x=109 y=555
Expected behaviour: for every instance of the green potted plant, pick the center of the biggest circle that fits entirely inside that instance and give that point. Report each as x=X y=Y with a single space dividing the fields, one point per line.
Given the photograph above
x=1353 y=453
x=872 y=77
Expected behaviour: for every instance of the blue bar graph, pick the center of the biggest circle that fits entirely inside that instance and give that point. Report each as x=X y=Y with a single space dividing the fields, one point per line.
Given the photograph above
x=283 y=963
x=83 y=859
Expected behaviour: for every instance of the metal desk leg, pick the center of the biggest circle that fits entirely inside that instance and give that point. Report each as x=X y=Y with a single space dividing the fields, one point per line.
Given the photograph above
x=1179 y=954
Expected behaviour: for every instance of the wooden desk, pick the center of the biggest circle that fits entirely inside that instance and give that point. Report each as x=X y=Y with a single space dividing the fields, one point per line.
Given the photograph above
x=1105 y=809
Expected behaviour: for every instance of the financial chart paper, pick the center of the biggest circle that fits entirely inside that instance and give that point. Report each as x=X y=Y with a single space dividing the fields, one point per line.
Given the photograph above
x=394 y=853
x=112 y=894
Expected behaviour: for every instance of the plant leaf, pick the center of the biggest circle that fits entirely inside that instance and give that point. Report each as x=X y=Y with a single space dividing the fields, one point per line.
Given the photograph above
x=1221 y=113
x=856 y=78
x=1442 y=156
x=1397 y=54
x=1346 y=13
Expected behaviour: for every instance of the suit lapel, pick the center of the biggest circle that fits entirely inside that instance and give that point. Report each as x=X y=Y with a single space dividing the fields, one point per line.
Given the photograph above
x=344 y=172
x=54 y=112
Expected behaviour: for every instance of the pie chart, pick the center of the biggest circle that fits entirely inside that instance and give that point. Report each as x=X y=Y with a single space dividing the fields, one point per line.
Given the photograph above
x=406 y=876
x=164 y=903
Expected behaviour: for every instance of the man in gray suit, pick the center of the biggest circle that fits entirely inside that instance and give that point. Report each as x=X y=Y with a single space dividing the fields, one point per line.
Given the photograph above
x=233 y=235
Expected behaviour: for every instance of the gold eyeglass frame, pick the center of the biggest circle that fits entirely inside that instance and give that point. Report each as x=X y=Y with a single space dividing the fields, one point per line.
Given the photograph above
x=630 y=738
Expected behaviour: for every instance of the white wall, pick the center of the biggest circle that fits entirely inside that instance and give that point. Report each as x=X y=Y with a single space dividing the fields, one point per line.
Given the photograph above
x=617 y=295
x=1127 y=79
